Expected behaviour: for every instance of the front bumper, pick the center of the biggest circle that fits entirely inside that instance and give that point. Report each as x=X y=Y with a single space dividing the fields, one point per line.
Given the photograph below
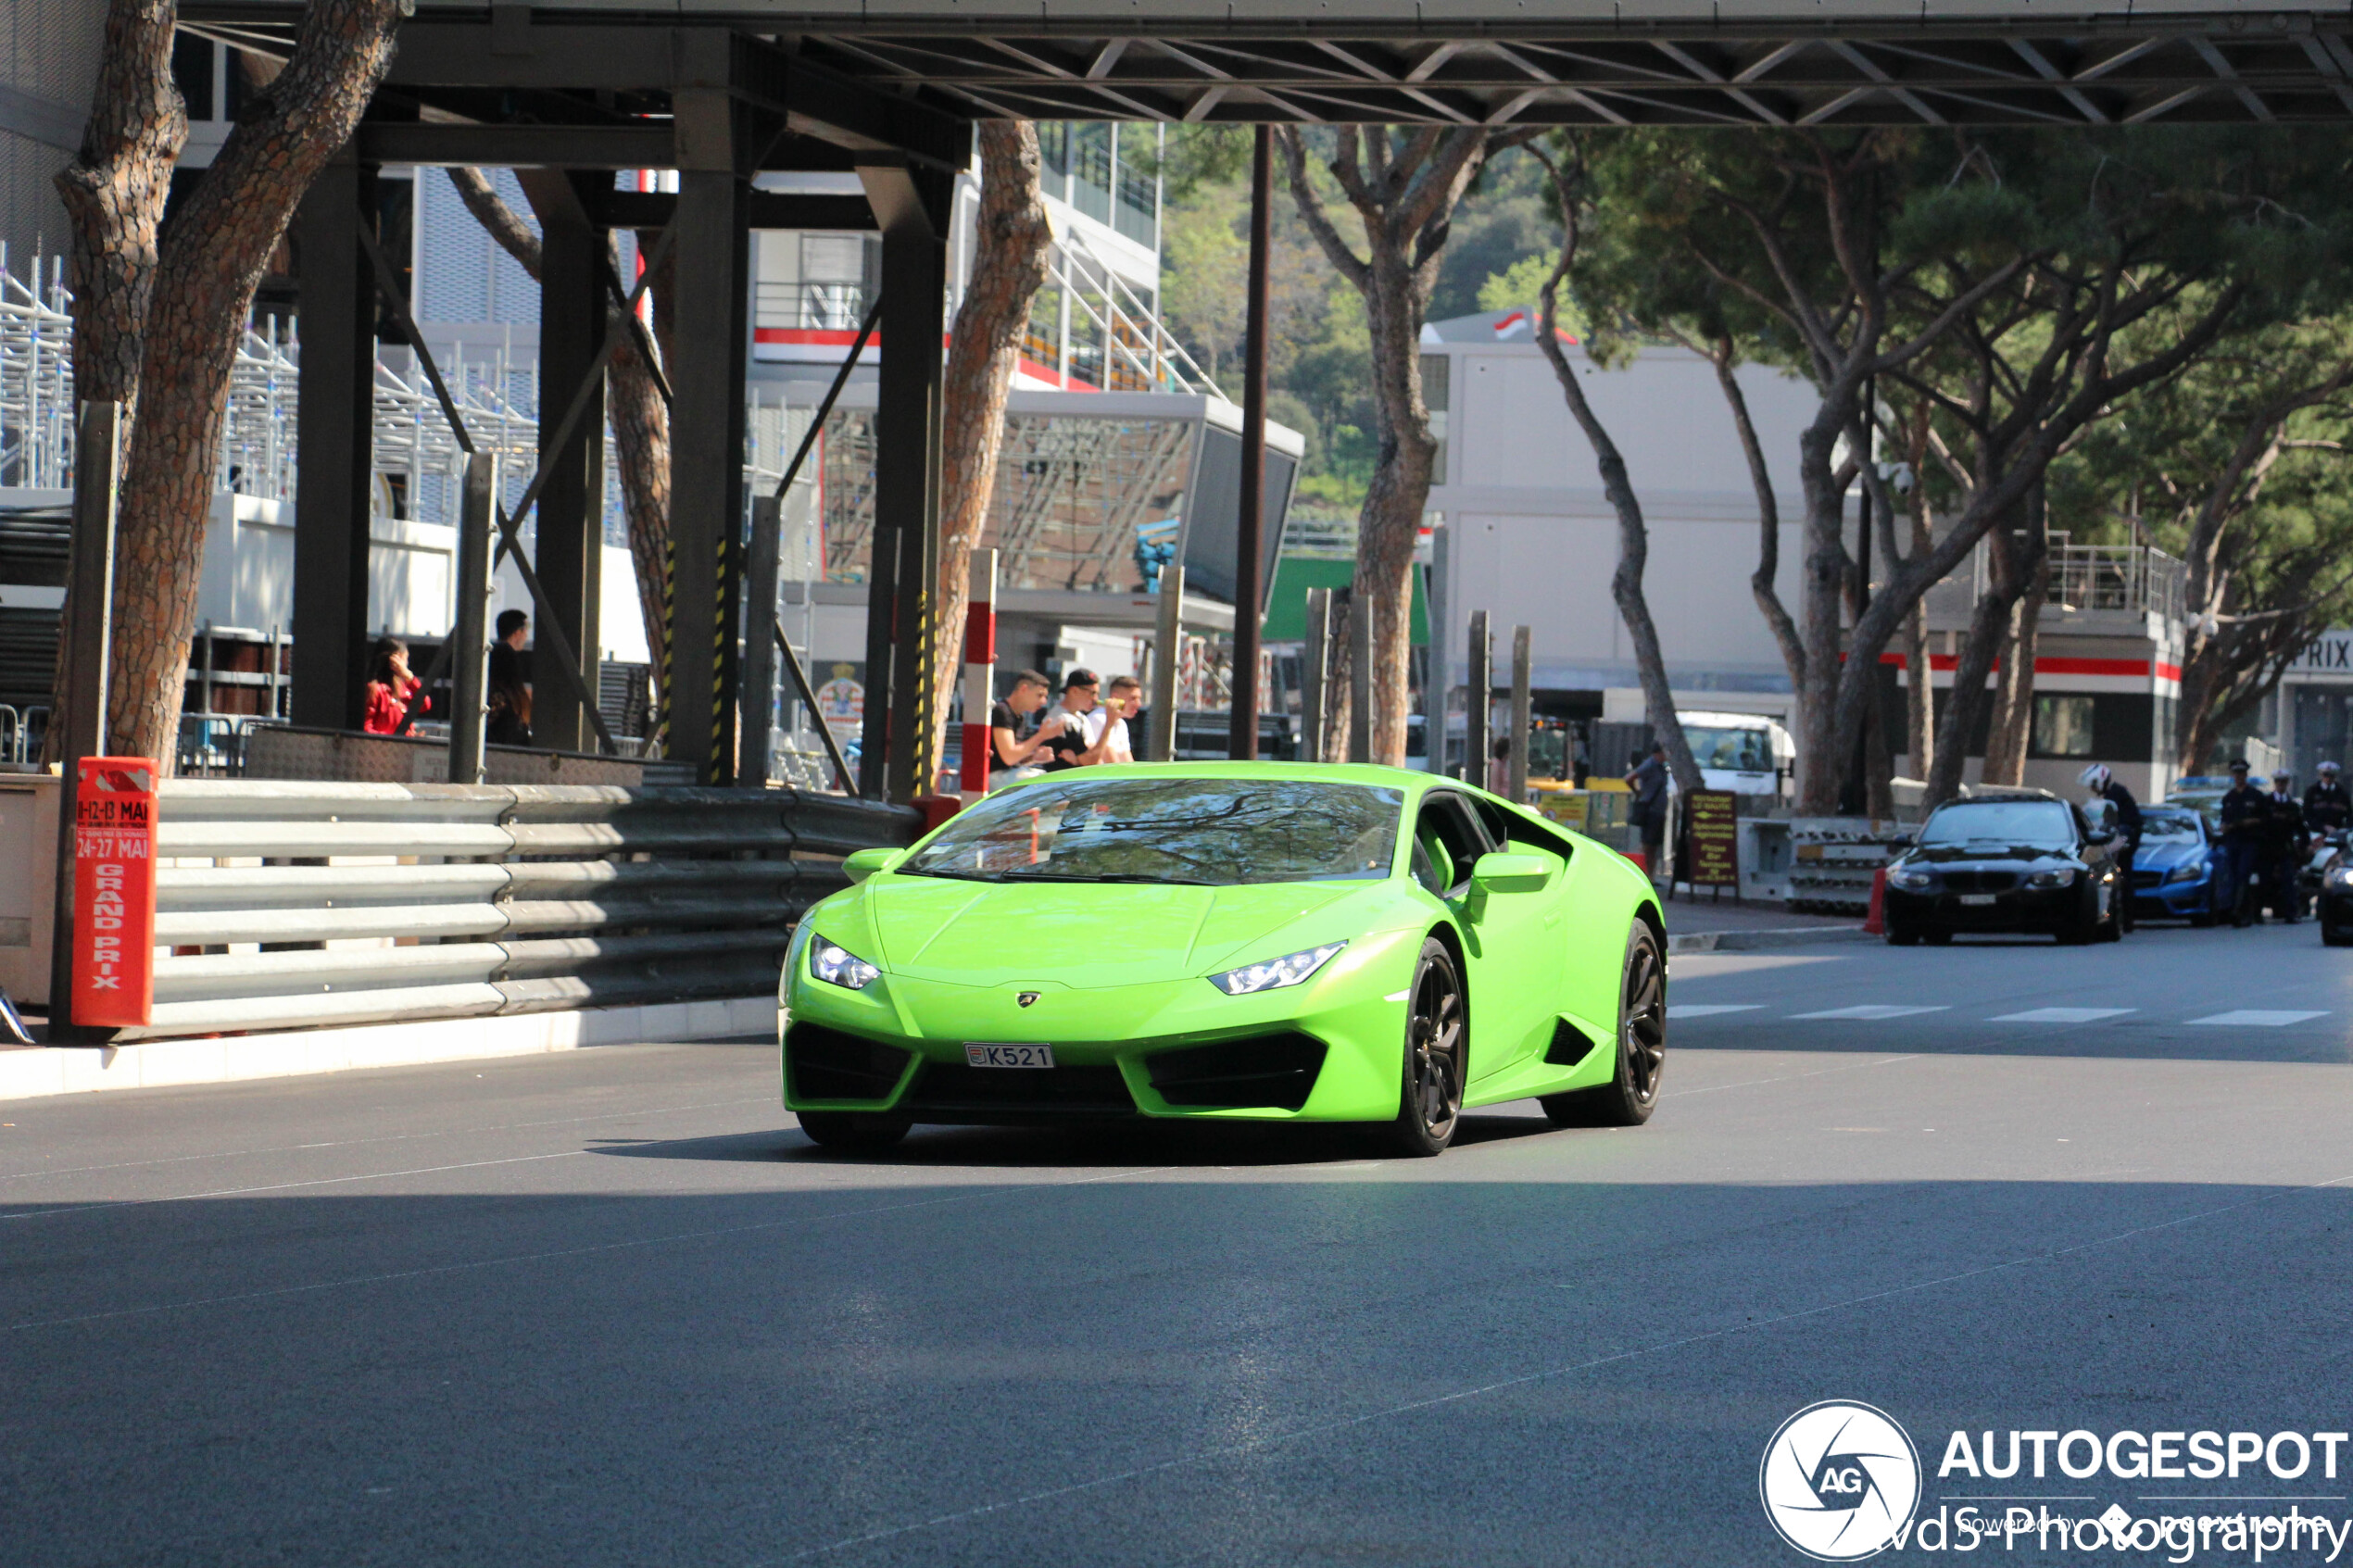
x=1328 y=1050
x=2171 y=900
x=2017 y=908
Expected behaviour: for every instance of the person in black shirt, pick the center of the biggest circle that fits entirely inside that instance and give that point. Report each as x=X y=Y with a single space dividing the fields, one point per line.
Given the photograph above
x=2103 y=784
x=2327 y=805
x=1014 y=737
x=2243 y=825
x=1076 y=740
x=2283 y=847
x=510 y=685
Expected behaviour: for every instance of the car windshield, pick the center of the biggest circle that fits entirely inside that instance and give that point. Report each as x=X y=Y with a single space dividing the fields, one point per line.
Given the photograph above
x=2001 y=821
x=2160 y=826
x=1211 y=831
x=1747 y=751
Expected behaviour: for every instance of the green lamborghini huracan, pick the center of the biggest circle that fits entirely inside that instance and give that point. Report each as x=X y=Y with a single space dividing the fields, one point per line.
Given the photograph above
x=1263 y=942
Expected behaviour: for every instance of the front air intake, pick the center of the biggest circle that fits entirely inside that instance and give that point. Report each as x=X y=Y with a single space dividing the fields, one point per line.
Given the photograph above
x=1274 y=1072
x=825 y=1063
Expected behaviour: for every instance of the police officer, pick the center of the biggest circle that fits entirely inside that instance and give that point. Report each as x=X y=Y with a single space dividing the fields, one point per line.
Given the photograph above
x=2283 y=844
x=2104 y=786
x=2328 y=806
x=2244 y=817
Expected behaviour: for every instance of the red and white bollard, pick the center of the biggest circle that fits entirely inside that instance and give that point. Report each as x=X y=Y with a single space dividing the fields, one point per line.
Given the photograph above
x=980 y=672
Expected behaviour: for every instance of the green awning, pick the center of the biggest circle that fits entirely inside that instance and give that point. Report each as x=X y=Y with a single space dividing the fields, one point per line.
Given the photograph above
x=1287 y=604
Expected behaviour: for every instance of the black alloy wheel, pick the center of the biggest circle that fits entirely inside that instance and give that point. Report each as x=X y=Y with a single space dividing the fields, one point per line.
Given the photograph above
x=853 y=1132
x=1436 y=1034
x=1628 y=1099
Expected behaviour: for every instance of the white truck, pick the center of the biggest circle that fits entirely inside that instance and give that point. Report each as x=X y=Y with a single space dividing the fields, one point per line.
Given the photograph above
x=1747 y=753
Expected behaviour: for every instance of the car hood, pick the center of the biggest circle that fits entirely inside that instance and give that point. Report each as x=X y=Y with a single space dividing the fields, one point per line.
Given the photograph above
x=1086 y=936
x=2165 y=854
x=1984 y=854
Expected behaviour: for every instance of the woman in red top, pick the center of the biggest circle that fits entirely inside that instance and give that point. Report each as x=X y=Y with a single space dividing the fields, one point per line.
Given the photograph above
x=391 y=689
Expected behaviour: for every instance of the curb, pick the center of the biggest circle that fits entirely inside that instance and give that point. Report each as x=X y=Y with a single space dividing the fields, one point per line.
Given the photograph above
x=67 y=1070
x=1779 y=936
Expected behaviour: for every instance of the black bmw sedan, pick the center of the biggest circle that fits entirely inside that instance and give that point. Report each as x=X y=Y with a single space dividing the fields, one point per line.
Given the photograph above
x=2015 y=859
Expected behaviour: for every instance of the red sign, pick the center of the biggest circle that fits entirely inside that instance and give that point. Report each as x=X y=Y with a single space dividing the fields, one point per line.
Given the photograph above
x=114 y=891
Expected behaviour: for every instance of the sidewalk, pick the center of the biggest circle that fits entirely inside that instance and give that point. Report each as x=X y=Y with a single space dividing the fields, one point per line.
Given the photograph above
x=1707 y=925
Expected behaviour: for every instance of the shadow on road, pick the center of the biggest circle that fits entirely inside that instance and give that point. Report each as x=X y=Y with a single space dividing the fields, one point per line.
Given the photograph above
x=1109 y=1145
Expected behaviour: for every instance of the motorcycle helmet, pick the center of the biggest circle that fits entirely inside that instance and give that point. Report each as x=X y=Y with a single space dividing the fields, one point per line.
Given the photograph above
x=2095 y=777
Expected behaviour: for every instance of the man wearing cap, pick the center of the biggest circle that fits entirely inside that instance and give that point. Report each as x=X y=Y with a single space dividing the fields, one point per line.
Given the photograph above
x=2244 y=814
x=2283 y=847
x=2328 y=806
x=1079 y=737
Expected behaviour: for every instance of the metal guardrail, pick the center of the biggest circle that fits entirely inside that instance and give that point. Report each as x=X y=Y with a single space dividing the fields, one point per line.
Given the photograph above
x=441 y=900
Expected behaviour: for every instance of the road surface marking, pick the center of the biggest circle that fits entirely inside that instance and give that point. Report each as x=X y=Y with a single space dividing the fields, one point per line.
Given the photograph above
x=1871 y=1011
x=2259 y=1018
x=2064 y=1015
x=1709 y=1009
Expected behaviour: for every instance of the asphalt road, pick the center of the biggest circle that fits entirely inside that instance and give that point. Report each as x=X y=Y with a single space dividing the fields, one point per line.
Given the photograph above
x=610 y=1308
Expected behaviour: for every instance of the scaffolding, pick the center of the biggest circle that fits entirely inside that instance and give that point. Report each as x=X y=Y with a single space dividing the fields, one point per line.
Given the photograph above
x=36 y=376
x=419 y=465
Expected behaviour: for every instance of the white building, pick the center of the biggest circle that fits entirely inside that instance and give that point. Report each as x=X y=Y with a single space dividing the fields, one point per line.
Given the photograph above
x=1527 y=535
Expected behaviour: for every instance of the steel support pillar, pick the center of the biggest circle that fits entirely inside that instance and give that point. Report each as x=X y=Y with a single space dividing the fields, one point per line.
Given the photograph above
x=568 y=547
x=1250 y=527
x=897 y=758
x=335 y=417
x=712 y=262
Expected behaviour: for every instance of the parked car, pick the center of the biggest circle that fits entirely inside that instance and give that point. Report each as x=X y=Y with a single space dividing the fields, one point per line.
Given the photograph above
x=2177 y=866
x=2015 y=859
x=2335 y=901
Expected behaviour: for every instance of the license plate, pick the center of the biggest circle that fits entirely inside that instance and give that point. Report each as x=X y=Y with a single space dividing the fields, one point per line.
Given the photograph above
x=1976 y=898
x=1009 y=1056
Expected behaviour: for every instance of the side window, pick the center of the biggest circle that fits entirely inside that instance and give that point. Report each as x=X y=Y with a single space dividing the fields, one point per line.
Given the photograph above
x=1448 y=841
x=1500 y=824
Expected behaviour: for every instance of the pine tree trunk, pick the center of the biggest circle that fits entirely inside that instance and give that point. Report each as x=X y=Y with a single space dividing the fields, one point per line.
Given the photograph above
x=2023 y=579
x=1388 y=525
x=114 y=193
x=114 y=196
x=1011 y=237
x=206 y=269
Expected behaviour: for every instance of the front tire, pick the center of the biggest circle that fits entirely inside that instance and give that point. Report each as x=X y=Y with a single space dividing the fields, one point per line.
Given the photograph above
x=852 y=1131
x=1435 y=1033
x=1628 y=1099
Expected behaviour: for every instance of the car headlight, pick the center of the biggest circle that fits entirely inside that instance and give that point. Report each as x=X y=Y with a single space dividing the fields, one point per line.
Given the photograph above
x=1274 y=973
x=2190 y=872
x=2063 y=876
x=2339 y=877
x=1910 y=880
x=839 y=966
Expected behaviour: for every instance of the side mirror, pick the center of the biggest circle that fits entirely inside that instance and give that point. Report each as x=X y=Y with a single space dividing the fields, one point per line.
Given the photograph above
x=866 y=862
x=1503 y=872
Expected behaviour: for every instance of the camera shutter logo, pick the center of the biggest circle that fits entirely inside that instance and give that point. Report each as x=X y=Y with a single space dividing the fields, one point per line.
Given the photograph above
x=1840 y=1481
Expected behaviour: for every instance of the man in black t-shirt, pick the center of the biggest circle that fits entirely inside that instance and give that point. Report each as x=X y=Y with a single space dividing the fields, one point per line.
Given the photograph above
x=1074 y=736
x=1014 y=741
x=510 y=685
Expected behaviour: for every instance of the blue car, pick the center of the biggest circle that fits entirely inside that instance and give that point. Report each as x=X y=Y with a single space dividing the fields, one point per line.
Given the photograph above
x=2175 y=866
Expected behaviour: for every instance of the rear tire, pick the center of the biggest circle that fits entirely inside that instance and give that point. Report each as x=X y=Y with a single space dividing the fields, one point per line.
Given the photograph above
x=1628 y=1099
x=852 y=1131
x=1431 y=1096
